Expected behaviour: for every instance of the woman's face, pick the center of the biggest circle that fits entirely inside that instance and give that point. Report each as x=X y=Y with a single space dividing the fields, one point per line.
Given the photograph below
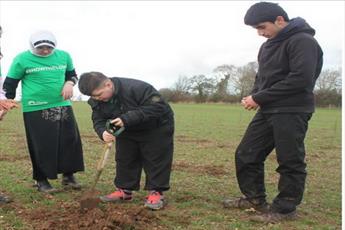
x=43 y=50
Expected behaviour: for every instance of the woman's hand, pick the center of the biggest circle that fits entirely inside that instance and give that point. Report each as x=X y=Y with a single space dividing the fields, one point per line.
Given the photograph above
x=67 y=90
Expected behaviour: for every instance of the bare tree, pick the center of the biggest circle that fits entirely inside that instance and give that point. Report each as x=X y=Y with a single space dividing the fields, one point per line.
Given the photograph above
x=227 y=74
x=329 y=80
x=203 y=86
x=182 y=84
x=328 y=88
x=244 y=82
x=180 y=90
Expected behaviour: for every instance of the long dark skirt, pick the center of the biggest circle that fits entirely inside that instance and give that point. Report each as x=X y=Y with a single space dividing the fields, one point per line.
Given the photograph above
x=54 y=142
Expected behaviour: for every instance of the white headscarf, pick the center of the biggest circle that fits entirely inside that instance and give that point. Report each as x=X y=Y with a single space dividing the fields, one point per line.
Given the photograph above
x=42 y=38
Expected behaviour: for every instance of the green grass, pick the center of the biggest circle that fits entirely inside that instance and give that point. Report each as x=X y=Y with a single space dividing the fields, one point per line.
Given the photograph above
x=204 y=172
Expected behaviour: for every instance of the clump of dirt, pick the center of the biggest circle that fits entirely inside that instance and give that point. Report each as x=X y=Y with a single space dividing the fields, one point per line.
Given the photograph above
x=109 y=217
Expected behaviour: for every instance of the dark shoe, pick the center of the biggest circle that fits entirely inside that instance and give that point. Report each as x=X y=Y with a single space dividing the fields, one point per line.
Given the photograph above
x=4 y=199
x=274 y=217
x=154 y=201
x=245 y=203
x=118 y=195
x=44 y=186
x=69 y=181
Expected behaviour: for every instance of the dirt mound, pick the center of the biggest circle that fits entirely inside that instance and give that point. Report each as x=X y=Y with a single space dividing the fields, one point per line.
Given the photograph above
x=108 y=217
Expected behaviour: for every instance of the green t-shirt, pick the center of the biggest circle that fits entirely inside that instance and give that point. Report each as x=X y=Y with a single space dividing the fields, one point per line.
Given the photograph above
x=42 y=79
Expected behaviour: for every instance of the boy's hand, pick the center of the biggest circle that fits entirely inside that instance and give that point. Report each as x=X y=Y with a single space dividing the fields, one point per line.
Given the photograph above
x=117 y=122
x=248 y=103
x=107 y=137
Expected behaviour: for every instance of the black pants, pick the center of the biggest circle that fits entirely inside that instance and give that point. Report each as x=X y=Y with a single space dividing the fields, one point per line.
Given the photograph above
x=150 y=150
x=285 y=132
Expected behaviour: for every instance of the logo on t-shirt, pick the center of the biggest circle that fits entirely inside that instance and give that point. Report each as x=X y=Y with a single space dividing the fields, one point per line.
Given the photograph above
x=37 y=102
x=45 y=68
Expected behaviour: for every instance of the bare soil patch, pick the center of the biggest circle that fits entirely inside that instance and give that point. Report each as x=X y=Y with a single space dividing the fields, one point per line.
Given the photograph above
x=65 y=215
x=201 y=143
x=199 y=169
x=13 y=158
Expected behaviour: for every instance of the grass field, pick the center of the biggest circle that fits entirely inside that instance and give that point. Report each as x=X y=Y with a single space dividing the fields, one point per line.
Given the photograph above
x=203 y=174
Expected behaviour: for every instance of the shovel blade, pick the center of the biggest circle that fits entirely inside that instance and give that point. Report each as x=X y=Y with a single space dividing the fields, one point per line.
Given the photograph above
x=89 y=201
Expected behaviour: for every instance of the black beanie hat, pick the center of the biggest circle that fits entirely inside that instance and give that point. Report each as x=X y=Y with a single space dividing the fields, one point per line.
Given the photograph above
x=264 y=12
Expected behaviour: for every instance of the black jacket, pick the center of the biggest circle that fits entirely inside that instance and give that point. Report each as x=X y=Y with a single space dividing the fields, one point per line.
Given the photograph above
x=289 y=65
x=137 y=103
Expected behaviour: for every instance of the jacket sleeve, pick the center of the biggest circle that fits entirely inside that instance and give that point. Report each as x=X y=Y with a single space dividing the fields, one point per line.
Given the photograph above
x=256 y=83
x=15 y=74
x=98 y=119
x=303 y=63
x=151 y=105
x=71 y=76
x=255 y=86
x=10 y=86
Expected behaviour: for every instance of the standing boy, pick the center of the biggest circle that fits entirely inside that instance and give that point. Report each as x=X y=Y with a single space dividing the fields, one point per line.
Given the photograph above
x=290 y=61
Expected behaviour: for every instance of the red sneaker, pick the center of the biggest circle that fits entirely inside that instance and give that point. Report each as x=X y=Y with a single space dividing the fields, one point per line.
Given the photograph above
x=118 y=195
x=155 y=200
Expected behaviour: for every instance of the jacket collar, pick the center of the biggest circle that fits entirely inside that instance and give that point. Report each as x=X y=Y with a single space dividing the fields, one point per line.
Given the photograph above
x=296 y=25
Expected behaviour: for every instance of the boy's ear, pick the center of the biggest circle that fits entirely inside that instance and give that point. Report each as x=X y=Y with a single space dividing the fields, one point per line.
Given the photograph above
x=280 y=21
x=108 y=83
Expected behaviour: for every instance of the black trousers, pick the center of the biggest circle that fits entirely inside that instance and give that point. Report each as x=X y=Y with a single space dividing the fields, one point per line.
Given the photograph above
x=285 y=132
x=151 y=150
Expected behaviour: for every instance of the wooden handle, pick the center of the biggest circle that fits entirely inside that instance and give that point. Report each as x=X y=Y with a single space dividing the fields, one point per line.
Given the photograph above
x=102 y=161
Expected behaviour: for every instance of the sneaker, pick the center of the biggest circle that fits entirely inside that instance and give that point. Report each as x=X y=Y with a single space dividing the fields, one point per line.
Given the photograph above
x=45 y=187
x=245 y=203
x=118 y=195
x=69 y=181
x=274 y=217
x=4 y=199
x=154 y=201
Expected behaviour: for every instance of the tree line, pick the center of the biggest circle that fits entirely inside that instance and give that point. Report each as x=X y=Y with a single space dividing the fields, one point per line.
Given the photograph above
x=230 y=83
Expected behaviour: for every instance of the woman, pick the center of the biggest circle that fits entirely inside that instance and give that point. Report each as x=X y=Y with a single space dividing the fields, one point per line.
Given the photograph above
x=5 y=105
x=47 y=76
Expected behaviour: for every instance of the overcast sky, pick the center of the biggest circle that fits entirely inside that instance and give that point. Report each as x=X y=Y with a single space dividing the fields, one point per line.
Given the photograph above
x=157 y=41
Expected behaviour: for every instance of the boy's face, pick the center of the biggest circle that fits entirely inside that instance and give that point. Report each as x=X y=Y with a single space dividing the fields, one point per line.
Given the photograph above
x=104 y=92
x=268 y=29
